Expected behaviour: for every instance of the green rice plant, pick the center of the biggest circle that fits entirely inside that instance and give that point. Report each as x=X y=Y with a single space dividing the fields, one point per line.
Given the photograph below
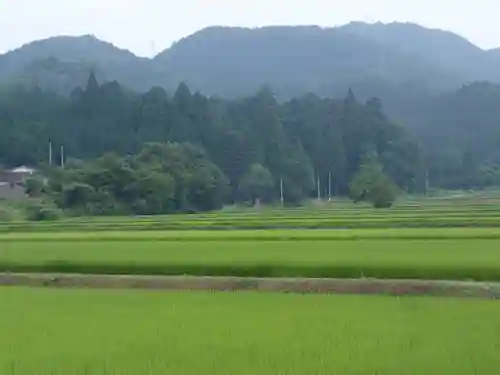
x=262 y=223
x=444 y=259
x=258 y=235
x=420 y=213
x=56 y=332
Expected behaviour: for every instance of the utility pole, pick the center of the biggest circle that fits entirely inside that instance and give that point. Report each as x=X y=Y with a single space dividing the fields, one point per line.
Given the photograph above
x=426 y=182
x=281 y=192
x=62 y=156
x=50 y=152
x=319 y=188
x=329 y=185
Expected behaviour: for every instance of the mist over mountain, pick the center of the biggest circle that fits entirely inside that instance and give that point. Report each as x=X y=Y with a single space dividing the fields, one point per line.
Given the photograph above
x=231 y=61
x=41 y=62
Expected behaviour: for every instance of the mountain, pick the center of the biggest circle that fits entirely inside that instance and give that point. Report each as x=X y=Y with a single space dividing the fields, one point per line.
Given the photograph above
x=439 y=48
x=38 y=62
x=494 y=54
x=54 y=75
x=229 y=61
x=398 y=62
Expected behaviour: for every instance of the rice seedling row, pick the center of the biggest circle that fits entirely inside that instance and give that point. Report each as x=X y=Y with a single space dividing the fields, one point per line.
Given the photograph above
x=226 y=224
x=444 y=259
x=258 y=235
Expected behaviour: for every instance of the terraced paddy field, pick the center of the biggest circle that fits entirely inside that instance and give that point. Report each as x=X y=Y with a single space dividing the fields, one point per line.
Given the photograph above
x=59 y=332
x=425 y=213
x=442 y=247
x=451 y=254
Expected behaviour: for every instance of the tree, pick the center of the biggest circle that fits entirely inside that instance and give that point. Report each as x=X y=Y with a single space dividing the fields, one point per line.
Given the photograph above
x=42 y=210
x=76 y=194
x=204 y=144
x=199 y=183
x=256 y=184
x=151 y=192
x=161 y=178
x=373 y=185
x=34 y=186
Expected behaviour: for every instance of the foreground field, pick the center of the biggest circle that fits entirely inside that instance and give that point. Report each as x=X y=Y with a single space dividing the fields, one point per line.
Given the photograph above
x=461 y=258
x=118 y=332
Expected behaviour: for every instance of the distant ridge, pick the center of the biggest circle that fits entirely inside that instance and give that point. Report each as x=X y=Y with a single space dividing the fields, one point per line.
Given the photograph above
x=229 y=61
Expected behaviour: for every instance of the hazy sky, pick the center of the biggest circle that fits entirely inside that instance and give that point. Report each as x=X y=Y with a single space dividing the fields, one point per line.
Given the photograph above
x=135 y=24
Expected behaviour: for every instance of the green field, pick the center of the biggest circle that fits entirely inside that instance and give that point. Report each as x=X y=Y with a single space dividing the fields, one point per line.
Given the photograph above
x=442 y=238
x=47 y=332
x=424 y=213
x=258 y=235
x=472 y=254
x=59 y=332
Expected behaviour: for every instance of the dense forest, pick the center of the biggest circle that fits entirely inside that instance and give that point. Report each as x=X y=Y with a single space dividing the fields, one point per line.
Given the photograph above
x=297 y=142
x=460 y=133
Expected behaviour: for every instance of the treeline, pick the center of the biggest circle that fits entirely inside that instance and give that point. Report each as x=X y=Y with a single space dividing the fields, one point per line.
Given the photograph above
x=161 y=178
x=250 y=144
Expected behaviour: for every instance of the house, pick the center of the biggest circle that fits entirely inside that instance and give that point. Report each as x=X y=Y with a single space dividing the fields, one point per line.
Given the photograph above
x=8 y=191
x=12 y=182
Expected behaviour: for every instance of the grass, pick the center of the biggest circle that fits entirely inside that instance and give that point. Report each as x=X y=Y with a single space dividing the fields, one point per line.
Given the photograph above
x=10 y=211
x=59 y=332
x=453 y=259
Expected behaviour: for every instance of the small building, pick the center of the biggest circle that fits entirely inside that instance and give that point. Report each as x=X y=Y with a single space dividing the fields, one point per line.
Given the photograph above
x=19 y=174
x=12 y=182
x=9 y=191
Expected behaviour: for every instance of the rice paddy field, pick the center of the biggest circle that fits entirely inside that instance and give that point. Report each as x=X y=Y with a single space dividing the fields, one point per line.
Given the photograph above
x=75 y=331
x=459 y=212
x=59 y=332
x=467 y=257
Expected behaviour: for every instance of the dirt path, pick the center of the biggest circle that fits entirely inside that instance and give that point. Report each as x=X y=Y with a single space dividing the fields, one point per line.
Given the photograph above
x=295 y=285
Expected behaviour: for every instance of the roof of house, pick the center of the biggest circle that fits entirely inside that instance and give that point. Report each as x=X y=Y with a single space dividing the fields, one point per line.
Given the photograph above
x=22 y=169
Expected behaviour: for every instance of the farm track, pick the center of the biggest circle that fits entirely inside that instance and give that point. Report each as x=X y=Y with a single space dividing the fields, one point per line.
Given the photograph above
x=230 y=284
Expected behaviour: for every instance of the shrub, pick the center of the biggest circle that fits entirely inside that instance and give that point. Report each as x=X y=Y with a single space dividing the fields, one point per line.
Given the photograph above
x=43 y=211
x=373 y=185
x=34 y=186
x=383 y=192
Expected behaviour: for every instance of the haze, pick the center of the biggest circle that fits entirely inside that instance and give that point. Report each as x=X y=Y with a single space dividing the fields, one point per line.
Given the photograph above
x=148 y=26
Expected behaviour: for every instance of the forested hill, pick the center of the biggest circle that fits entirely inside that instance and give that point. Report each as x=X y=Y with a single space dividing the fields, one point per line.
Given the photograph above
x=371 y=58
x=461 y=133
x=297 y=141
x=292 y=60
x=62 y=63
